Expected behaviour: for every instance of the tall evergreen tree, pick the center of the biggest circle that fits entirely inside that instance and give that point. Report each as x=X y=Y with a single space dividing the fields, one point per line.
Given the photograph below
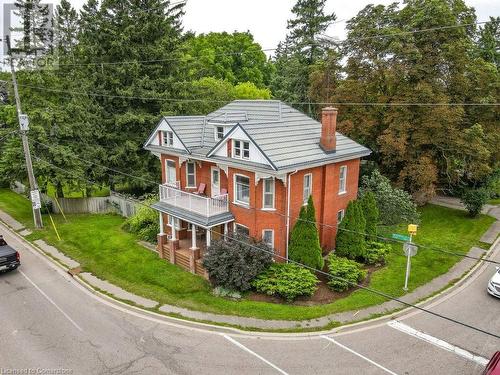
x=350 y=240
x=304 y=46
x=132 y=30
x=66 y=22
x=36 y=27
x=304 y=245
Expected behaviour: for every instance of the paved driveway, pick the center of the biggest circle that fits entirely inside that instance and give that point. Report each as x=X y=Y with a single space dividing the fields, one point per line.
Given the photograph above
x=48 y=321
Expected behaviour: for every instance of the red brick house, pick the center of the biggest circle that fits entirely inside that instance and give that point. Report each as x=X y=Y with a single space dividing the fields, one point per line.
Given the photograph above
x=249 y=167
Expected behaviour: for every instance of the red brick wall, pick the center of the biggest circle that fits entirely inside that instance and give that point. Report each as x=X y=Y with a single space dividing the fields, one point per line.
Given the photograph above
x=326 y=199
x=325 y=187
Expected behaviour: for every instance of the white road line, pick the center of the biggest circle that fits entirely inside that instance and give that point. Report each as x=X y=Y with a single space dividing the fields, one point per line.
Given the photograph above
x=241 y=346
x=51 y=301
x=358 y=354
x=437 y=342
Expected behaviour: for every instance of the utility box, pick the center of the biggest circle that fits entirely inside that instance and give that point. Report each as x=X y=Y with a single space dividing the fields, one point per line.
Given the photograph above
x=24 y=122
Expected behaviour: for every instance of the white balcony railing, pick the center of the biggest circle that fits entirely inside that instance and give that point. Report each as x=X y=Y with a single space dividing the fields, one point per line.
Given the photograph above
x=171 y=194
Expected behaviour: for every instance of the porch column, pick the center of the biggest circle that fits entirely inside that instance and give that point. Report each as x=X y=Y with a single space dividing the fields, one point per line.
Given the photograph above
x=209 y=233
x=161 y=224
x=174 y=234
x=226 y=228
x=161 y=239
x=193 y=237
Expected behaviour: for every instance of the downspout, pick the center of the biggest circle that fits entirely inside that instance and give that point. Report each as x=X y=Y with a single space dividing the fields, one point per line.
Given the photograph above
x=288 y=212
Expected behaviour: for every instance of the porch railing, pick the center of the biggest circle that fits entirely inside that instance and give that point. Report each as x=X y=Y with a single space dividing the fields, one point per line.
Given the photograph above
x=171 y=194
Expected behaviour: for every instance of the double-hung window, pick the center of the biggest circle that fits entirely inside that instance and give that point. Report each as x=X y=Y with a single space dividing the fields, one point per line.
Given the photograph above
x=190 y=174
x=241 y=149
x=268 y=193
x=343 y=179
x=168 y=138
x=340 y=216
x=268 y=237
x=307 y=191
x=219 y=132
x=242 y=189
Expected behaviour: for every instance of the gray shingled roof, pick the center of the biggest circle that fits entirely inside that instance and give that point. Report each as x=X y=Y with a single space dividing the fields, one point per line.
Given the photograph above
x=288 y=137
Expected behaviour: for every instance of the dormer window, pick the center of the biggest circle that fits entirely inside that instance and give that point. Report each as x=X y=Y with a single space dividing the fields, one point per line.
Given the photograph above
x=168 y=138
x=219 y=132
x=241 y=149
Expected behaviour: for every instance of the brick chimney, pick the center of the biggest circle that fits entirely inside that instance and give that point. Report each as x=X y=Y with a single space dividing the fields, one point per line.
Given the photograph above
x=328 y=140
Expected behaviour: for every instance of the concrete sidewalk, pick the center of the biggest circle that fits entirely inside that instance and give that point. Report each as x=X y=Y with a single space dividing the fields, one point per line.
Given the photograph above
x=434 y=286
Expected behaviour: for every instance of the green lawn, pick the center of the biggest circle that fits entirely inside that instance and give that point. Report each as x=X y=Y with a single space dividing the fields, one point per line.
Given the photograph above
x=494 y=201
x=103 y=248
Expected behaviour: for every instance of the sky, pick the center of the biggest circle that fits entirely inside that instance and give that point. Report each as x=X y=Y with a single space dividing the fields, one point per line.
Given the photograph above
x=267 y=19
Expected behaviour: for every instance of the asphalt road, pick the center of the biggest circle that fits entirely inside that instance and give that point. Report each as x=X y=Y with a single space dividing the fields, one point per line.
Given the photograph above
x=50 y=322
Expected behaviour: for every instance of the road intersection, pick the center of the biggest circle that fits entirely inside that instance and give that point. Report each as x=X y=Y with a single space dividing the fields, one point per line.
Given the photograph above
x=50 y=321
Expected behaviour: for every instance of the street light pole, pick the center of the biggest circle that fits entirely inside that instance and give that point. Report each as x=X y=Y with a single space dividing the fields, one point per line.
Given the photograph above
x=23 y=125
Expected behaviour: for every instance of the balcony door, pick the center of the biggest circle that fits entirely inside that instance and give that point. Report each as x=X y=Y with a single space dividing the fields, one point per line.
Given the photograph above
x=170 y=172
x=215 y=181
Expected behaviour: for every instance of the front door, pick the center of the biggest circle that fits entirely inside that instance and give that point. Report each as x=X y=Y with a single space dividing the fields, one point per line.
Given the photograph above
x=215 y=181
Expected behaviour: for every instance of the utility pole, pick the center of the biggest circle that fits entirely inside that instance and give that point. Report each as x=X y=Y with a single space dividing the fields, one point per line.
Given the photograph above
x=23 y=127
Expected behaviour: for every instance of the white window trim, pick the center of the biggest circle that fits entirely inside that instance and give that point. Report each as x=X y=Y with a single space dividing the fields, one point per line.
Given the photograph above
x=273 y=208
x=235 y=195
x=242 y=149
x=166 y=137
x=310 y=187
x=344 y=191
x=272 y=238
x=166 y=170
x=342 y=216
x=216 y=132
x=187 y=174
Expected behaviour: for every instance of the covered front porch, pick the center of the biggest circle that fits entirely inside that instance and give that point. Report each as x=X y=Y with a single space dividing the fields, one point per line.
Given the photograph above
x=183 y=242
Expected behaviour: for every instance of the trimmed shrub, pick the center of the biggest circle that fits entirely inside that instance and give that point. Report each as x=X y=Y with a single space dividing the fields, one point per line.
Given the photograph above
x=474 y=200
x=376 y=252
x=371 y=214
x=146 y=222
x=344 y=273
x=235 y=263
x=395 y=205
x=350 y=241
x=304 y=245
x=286 y=280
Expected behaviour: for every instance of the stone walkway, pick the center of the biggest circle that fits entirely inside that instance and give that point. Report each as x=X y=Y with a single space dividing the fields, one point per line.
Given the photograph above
x=437 y=284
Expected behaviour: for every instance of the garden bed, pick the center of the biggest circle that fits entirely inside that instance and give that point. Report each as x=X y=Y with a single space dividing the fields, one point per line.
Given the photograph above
x=323 y=295
x=100 y=245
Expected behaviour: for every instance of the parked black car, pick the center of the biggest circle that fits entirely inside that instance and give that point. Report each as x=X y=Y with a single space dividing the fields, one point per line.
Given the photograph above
x=9 y=258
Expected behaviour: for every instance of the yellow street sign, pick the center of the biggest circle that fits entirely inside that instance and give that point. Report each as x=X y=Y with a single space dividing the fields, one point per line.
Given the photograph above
x=412 y=229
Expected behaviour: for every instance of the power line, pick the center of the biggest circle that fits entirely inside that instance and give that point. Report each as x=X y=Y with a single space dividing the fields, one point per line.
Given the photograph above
x=352 y=284
x=335 y=227
x=130 y=62
x=198 y=100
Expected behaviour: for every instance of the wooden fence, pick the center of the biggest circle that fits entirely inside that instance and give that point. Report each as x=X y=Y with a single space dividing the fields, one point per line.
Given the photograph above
x=114 y=203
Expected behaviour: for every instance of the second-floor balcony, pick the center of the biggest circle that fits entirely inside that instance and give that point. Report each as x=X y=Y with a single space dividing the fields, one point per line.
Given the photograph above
x=206 y=207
